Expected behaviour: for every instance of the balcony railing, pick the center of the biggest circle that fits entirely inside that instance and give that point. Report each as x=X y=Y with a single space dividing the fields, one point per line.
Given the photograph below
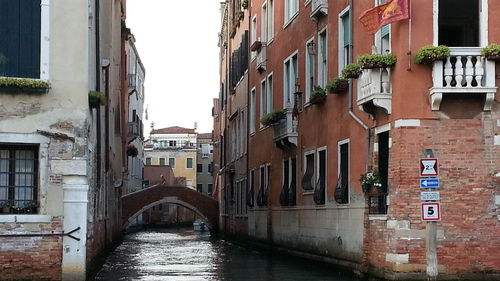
x=132 y=81
x=285 y=131
x=466 y=71
x=319 y=7
x=261 y=59
x=375 y=88
x=133 y=129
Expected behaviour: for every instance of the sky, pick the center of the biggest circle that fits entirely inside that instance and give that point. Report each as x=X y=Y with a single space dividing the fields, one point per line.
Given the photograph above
x=177 y=43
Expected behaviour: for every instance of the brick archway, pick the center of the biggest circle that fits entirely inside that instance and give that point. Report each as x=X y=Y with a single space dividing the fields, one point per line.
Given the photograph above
x=206 y=207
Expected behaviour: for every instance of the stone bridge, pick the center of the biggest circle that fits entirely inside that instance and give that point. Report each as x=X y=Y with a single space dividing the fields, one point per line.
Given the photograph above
x=206 y=207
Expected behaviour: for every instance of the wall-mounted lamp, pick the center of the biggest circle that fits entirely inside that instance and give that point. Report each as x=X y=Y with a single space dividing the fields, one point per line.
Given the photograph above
x=311 y=47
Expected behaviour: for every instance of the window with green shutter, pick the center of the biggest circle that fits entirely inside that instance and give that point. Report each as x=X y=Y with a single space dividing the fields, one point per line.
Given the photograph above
x=20 y=23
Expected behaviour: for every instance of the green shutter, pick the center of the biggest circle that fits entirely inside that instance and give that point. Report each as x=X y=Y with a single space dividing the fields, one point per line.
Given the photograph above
x=384 y=31
x=347 y=28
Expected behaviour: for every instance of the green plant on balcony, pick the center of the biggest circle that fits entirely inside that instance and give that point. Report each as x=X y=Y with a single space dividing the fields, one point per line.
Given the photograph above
x=318 y=95
x=96 y=98
x=430 y=54
x=491 y=52
x=244 y=4
x=5 y=206
x=8 y=84
x=273 y=117
x=337 y=85
x=377 y=60
x=369 y=180
x=352 y=70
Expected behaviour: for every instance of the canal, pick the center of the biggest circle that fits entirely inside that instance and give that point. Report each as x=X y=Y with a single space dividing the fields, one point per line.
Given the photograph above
x=182 y=255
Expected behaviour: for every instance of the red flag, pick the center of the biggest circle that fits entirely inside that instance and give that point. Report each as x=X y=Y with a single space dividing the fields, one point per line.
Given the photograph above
x=388 y=12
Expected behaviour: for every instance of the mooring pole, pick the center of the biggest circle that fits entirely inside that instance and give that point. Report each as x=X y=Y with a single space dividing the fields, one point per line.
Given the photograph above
x=431 y=250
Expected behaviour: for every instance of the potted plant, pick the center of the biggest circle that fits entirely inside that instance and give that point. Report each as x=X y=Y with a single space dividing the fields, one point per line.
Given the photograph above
x=96 y=98
x=430 y=54
x=244 y=4
x=352 y=70
x=338 y=85
x=377 y=61
x=318 y=95
x=273 y=117
x=5 y=207
x=491 y=52
x=132 y=150
x=369 y=180
x=27 y=85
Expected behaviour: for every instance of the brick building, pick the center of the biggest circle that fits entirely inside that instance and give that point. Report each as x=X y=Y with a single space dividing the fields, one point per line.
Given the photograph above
x=302 y=190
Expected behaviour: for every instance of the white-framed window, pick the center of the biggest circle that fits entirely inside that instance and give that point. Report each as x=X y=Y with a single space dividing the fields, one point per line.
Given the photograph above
x=269 y=93
x=343 y=172
x=309 y=179
x=291 y=10
x=383 y=36
x=344 y=38
x=321 y=174
x=171 y=162
x=253 y=34
x=270 y=20
x=309 y=70
x=264 y=23
x=460 y=23
x=322 y=58
x=189 y=163
x=263 y=98
x=24 y=44
x=253 y=110
x=288 y=196
x=290 y=75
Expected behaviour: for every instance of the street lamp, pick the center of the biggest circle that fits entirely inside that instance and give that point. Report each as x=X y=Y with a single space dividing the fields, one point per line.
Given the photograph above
x=311 y=47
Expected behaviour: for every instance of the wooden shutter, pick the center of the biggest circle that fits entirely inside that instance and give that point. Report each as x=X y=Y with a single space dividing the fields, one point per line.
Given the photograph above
x=20 y=38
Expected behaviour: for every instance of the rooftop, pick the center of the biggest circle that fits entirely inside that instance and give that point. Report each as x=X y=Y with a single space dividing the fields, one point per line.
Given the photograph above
x=173 y=130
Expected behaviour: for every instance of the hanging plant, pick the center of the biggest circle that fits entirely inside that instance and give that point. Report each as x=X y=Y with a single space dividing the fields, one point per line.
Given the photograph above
x=430 y=54
x=244 y=4
x=352 y=70
x=132 y=150
x=96 y=98
x=338 y=85
x=377 y=61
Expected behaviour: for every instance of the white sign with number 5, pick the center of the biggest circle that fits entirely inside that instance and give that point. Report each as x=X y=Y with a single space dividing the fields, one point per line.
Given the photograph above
x=431 y=211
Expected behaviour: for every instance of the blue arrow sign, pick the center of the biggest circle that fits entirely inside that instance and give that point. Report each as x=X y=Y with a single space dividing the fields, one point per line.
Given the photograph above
x=429 y=183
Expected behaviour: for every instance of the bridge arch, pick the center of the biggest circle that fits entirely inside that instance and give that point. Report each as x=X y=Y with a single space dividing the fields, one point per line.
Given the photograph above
x=206 y=207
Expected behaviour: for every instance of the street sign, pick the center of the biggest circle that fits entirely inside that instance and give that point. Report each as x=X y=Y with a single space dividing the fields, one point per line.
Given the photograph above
x=429 y=167
x=431 y=211
x=429 y=183
x=429 y=196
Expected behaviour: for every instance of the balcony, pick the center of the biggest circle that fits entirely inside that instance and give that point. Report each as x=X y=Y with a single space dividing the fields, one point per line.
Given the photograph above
x=133 y=129
x=261 y=59
x=464 y=72
x=375 y=90
x=319 y=8
x=285 y=131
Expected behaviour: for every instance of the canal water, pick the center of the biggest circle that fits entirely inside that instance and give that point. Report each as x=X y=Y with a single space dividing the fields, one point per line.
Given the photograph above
x=182 y=255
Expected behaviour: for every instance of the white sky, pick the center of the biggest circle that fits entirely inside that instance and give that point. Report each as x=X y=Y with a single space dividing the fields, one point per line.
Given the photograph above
x=177 y=43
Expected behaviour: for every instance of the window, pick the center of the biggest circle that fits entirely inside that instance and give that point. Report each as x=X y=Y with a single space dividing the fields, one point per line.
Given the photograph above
x=189 y=163
x=250 y=192
x=291 y=9
x=264 y=27
x=322 y=60
x=290 y=79
x=308 y=179
x=199 y=187
x=172 y=143
x=148 y=160
x=210 y=169
x=344 y=38
x=270 y=20
x=320 y=188
x=342 y=189
x=18 y=178
x=162 y=161
x=459 y=22
x=253 y=31
x=253 y=111
x=263 y=98
x=378 y=204
x=199 y=168
x=269 y=91
x=171 y=162
x=382 y=37
x=24 y=39
x=265 y=173
x=309 y=69
x=210 y=187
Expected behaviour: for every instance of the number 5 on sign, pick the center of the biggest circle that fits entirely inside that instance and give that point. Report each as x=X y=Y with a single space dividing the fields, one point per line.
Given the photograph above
x=431 y=211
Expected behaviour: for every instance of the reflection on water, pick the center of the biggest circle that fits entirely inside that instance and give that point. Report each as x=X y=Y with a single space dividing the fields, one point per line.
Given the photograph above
x=183 y=255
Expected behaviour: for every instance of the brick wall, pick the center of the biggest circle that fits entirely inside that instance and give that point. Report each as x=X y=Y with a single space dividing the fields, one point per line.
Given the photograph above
x=468 y=235
x=31 y=258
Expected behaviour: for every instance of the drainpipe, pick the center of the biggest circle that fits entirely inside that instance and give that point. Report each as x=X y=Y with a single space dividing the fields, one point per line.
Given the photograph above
x=98 y=88
x=351 y=113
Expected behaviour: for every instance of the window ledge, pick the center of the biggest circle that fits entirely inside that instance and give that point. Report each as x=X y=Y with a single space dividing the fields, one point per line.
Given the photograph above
x=23 y=85
x=290 y=20
x=26 y=218
x=308 y=193
x=377 y=217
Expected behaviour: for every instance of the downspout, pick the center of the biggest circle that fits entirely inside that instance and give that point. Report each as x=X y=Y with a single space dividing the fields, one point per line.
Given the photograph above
x=98 y=88
x=351 y=113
